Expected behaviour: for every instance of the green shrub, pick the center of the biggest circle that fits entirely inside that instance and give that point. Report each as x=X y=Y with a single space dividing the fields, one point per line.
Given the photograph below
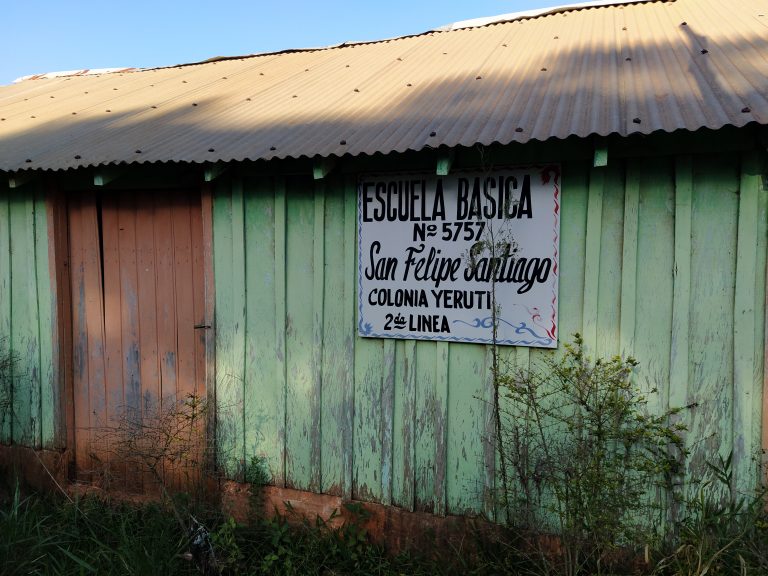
x=585 y=461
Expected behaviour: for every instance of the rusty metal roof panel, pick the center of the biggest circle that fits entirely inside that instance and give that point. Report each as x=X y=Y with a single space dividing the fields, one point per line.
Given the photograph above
x=619 y=69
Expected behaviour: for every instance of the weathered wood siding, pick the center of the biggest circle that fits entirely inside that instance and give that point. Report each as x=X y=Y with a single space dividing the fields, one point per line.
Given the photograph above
x=661 y=257
x=29 y=400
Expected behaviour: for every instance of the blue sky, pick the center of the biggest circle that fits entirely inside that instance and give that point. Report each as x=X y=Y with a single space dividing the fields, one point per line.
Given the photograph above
x=52 y=35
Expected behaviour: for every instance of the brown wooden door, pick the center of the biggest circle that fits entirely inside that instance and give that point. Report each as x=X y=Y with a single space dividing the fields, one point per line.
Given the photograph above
x=136 y=276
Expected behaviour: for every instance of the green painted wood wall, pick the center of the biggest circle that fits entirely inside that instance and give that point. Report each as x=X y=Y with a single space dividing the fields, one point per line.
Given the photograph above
x=29 y=402
x=661 y=257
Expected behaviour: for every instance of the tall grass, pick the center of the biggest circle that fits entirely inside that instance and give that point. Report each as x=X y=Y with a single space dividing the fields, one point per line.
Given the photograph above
x=723 y=534
x=39 y=536
x=93 y=536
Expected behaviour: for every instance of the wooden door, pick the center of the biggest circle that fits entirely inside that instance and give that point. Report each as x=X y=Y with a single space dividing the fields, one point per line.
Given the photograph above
x=136 y=276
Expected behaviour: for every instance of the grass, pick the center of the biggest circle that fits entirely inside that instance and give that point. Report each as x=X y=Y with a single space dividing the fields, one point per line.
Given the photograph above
x=93 y=536
x=40 y=536
x=721 y=535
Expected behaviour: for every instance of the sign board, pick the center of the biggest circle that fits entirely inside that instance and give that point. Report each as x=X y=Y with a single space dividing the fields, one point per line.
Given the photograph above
x=436 y=254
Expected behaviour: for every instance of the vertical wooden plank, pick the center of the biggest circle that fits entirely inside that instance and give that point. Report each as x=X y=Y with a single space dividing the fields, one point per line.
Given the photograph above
x=130 y=313
x=592 y=262
x=466 y=429
x=207 y=313
x=367 y=458
x=759 y=417
x=6 y=386
x=112 y=305
x=425 y=436
x=237 y=382
x=336 y=302
x=165 y=303
x=387 y=420
x=149 y=354
x=113 y=356
x=522 y=357
x=573 y=237
x=510 y=360
x=609 y=285
x=281 y=218
x=681 y=299
x=148 y=322
x=24 y=322
x=629 y=258
x=400 y=425
x=190 y=330
x=350 y=330
x=78 y=238
x=178 y=353
x=490 y=437
x=129 y=303
x=184 y=281
x=94 y=313
x=226 y=371
x=300 y=392
x=94 y=304
x=441 y=427
x=46 y=329
x=264 y=395
x=745 y=445
x=318 y=301
x=33 y=329
x=678 y=395
x=654 y=289
x=61 y=328
x=404 y=420
x=713 y=246
x=92 y=383
x=201 y=255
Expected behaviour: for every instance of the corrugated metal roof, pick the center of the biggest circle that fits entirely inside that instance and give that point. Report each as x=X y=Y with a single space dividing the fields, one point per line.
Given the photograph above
x=624 y=69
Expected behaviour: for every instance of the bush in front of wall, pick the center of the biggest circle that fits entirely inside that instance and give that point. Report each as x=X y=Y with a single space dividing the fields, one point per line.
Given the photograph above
x=586 y=461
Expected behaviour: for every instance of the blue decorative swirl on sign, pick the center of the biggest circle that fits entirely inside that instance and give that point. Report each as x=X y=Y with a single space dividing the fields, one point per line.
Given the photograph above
x=521 y=328
x=478 y=323
x=365 y=329
x=481 y=340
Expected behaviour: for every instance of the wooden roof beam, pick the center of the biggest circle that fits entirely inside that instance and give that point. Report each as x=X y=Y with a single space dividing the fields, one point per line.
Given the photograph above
x=213 y=171
x=18 y=179
x=105 y=175
x=601 y=155
x=321 y=167
x=444 y=163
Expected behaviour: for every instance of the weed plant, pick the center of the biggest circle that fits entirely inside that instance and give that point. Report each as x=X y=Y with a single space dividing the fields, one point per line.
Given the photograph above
x=723 y=532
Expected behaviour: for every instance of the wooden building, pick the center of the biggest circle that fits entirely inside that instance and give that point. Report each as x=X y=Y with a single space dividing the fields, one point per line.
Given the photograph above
x=194 y=229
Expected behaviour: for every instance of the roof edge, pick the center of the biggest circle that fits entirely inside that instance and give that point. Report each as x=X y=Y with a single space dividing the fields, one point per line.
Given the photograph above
x=538 y=13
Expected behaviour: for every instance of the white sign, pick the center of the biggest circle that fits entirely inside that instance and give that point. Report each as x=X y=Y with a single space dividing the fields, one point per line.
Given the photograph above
x=437 y=253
